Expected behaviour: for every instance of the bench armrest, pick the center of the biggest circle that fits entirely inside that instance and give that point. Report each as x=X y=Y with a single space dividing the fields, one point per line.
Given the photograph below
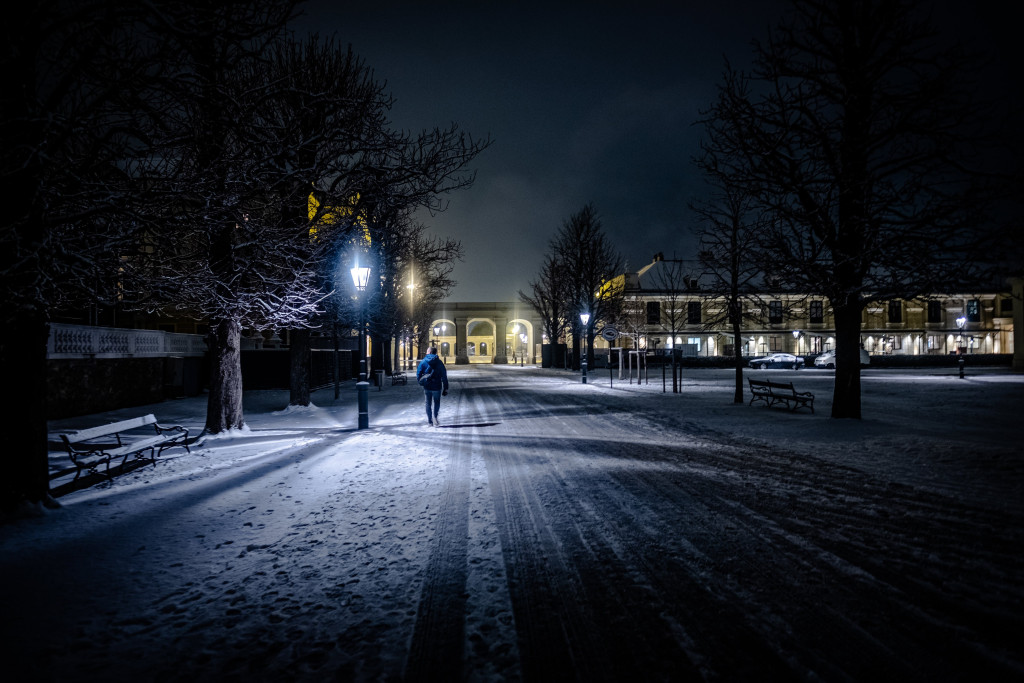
x=160 y=429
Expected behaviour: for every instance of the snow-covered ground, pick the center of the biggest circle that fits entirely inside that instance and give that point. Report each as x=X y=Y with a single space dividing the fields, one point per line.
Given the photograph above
x=548 y=529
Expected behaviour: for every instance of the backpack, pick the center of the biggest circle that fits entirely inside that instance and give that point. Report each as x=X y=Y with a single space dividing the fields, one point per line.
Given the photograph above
x=425 y=377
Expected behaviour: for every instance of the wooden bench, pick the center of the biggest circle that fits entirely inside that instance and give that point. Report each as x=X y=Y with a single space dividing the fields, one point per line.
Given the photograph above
x=780 y=392
x=87 y=454
x=399 y=378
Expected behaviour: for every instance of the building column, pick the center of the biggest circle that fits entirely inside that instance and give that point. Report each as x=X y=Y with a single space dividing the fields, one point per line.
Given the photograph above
x=499 y=355
x=461 y=357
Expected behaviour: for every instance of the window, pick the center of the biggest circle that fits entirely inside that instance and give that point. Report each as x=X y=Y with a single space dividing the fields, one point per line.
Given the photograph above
x=815 y=344
x=935 y=311
x=817 y=312
x=773 y=343
x=774 y=312
x=694 y=342
x=693 y=313
x=895 y=312
x=1006 y=306
x=973 y=311
x=653 y=312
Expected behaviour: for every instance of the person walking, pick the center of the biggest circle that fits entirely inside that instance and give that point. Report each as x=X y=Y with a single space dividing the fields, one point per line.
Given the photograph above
x=433 y=377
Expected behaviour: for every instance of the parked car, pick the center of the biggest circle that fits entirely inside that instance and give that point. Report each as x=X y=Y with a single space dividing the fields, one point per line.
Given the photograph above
x=777 y=360
x=828 y=359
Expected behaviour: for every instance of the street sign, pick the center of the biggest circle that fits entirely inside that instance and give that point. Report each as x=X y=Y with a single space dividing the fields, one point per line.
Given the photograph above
x=609 y=333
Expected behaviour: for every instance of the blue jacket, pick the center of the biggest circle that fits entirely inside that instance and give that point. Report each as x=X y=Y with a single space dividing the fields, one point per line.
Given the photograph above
x=439 y=380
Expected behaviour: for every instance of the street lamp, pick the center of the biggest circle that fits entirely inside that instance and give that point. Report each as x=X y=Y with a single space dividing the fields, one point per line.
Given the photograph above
x=961 y=322
x=437 y=333
x=585 y=319
x=360 y=276
x=522 y=338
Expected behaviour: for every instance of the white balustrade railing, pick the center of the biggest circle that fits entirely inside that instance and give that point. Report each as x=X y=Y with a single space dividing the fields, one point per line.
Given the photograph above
x=80 y=341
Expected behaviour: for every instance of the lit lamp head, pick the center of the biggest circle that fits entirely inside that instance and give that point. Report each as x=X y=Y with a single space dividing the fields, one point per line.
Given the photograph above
x=584 y=318
x=360 y=276
x=961 y=321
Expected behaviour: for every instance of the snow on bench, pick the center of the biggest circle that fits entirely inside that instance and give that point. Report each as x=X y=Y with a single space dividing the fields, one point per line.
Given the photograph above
x=89 y=456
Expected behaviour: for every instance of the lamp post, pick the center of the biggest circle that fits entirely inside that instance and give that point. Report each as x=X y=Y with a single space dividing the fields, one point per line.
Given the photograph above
x=585 y=319
x=360 y=276
x=522 y=338
x=961 y=322
x=437 y=333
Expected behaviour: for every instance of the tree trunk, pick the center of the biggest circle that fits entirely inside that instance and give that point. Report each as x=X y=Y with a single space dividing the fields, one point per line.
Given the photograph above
x=737 y=336
x=301 y=357
x=846 y=395
x=576 y=346
x=224 y=408
x=26 y=478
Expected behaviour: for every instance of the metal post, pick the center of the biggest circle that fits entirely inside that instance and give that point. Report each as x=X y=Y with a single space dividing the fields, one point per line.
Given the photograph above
x=961 y=366
x=362 y=342
x=583 y=366
x=363 y=388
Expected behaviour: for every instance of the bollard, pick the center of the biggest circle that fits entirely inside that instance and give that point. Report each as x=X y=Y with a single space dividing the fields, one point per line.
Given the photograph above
x=364 y=404
x=611 y=382
x=583 y=366
x=961 y=367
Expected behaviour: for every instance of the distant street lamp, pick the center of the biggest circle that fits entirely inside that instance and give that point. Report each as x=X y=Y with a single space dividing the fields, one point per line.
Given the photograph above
x=585 y=319
x=437 y=333
x=961 y=322
x=360 y=276
x=522 y=338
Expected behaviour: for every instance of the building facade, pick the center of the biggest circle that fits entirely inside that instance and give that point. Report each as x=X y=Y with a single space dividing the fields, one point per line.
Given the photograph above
x=693 y=320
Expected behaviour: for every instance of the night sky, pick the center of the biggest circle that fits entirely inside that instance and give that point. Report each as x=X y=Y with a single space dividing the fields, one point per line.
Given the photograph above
x=585 y=102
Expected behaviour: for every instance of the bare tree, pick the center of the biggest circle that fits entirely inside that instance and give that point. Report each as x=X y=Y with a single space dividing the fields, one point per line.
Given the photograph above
x=860 y=138
x=592 y=265
x=75 y=77
x=548 y=298
x=326 y=111
x=729 y=252
x=223 y=244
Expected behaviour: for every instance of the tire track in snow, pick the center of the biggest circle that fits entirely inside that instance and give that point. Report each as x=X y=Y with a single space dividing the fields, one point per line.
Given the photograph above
x=652 y=615
x=438 y=641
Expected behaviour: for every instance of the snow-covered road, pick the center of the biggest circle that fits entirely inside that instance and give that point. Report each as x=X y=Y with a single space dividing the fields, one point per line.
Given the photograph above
x=547 y=531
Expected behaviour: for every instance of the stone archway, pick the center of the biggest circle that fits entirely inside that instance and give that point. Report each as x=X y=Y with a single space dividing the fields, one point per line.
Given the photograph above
x=470 y=319
x=520 y=341
x=480 y=337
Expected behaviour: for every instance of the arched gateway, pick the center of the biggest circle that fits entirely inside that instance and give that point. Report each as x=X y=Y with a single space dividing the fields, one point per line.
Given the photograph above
x=486 y=332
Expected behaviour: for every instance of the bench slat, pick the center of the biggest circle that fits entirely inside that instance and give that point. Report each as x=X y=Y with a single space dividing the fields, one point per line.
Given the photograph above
x=112 y=428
